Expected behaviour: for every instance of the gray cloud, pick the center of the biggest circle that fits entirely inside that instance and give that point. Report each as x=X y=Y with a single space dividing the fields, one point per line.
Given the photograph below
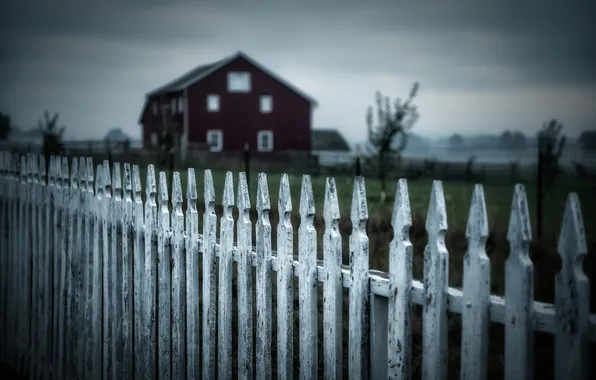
x=455 y=47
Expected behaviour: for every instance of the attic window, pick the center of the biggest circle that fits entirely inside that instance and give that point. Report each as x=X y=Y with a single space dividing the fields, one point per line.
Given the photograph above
x=173 y=105
x=238 y=81
x=155 y=108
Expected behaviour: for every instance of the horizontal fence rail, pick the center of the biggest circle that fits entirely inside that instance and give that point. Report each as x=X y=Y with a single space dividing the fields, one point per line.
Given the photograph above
x=99 y=283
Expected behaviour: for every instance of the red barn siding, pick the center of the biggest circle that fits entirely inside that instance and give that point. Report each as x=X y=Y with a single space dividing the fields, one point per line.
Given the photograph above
x=239 y=117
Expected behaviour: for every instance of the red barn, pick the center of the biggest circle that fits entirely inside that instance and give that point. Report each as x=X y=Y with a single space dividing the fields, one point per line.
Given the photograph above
x=230 y=103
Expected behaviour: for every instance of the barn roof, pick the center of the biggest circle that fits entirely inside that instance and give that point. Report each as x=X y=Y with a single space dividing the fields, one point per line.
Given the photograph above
x=329 y=139
x=200 y=72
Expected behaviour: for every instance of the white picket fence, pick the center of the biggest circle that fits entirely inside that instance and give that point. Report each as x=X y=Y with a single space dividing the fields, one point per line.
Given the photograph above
x=97 y=284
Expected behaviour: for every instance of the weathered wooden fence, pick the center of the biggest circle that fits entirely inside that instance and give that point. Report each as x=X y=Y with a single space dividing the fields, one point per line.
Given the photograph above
x=98 y=284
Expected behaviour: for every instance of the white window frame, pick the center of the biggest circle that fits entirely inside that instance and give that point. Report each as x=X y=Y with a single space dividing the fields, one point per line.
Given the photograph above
x=154 y=138
x=266 y=103
x=218 y=133
x=239 y=81
x=213 y=103
x=260 y=146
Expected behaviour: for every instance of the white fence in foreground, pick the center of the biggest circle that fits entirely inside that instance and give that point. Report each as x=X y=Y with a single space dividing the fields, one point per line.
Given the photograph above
x=98 y=284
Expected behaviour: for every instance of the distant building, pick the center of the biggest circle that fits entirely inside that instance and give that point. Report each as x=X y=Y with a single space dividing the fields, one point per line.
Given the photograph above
x=116 y=135
x=331 y=147
x=230 y=103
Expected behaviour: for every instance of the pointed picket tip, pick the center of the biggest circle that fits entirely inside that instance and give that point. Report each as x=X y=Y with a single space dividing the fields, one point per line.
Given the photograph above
x=136 y=183
x=116 y=180
x=191 y=186
x=307 y=200
x=228 y=193
x=30 y=170
x=23 y=168
x=401 y=218
x=519 y=230
x=15 y=166
x=284 y=203
x=90 y=185
x=57 y=171
x=82 y=173
x=65 y=175
x=477 y=227
x=127 y=179
x=163 y=188
x=74 y=177
x=34 y=168
x=209 y=191
x=572 y=239
x=243 y=195
x=436 y=218
x=263 y=203
x=99 y=180
x=151 y=184
x=107 y=179
x=331 y=205
x=177 y=196
x=359 y=209
x=52 y=171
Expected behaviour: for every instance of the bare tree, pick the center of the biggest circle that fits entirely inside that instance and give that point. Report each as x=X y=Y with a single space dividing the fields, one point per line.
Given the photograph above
x=388 y=139
x=52 y=135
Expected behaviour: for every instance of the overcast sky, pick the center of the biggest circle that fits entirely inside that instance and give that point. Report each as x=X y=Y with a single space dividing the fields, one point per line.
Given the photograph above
x=483 y=66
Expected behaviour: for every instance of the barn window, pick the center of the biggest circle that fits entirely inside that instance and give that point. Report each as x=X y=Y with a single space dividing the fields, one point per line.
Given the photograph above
x=266 y=104
x=215 y=140
x=154 y=139
x=238 y=81
x=173 y=105
x=265 y=141
x=155 y=109
x=213 y=103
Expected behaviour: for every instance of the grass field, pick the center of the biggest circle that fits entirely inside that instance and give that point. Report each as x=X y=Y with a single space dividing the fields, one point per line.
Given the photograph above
x=457 y=194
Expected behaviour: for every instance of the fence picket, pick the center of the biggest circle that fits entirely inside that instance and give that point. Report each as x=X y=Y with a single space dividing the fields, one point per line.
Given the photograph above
x=519 y=292
x=57 y=231
x=89 y=268
x=359 y=285
x=81 y=271
x=285 y=282
x=333 y=286
x=245 y=283
x=138 y=275
x=226 y=274
x=164 y=326
x=73 y=250
x=193 y=325
x=64 y=199
x=476 y=292
x=23 y=258
x=178 y=282
x=97 y=262
x=116 y=228
x=209 y=295
x=400 y=288
x=35 y=269
x=109 y=272
x=436 y=283
x=150 y=276
x=263 y=281
x=572 y=288
x=4 y=252
x=127 y=276
x=307 y=282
